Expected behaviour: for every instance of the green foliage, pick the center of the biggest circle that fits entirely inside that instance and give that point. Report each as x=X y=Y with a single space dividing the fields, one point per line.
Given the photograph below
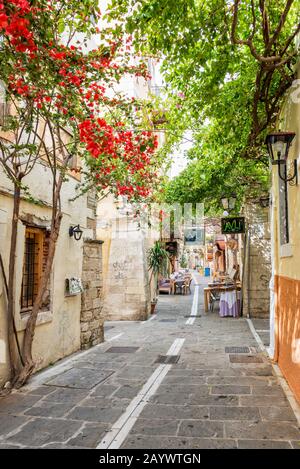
x=228 y=97
x=183 y=261
x=157 y=257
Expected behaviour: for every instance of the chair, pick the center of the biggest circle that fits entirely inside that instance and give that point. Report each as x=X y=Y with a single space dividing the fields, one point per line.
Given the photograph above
x=165 y=285
x=187 y=285
x=214 y=297
x=178 y=285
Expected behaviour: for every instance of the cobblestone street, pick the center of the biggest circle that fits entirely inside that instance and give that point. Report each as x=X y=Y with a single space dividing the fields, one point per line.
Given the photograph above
x=174 y=381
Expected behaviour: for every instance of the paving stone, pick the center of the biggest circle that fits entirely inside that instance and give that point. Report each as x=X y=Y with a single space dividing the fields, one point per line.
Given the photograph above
x=230 y=389
x=180 y=412
x=104 y=390
x=96 y=401
x=234 y=413
x=234 y=380
x=169 y=398
x=122 y=350
x=66 y=396
x=136 y=372
x=96 y=414
x=214 y=400
x=40 y=391
x=127 y=391
x=261 y=430
x=260 y=371
x=118 y=382
x=80 y=378
x=184 y=413
x=201 y=428
x=188 y=380
x=277 y=413
x=101 y=366
x=268 y=391
x=183 y=389
x=189 y=373
x=90 y=436
x=263 y=444
x=262 y=401
x=49 y=409
x=155 y=427
x=10 y=422
x=245 y=359
x=162 y=442
x=17 y=403
x=41 y=431
x=231 y=372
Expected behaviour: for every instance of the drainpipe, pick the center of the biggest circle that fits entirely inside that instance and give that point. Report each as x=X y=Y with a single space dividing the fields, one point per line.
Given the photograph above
x=243 y=271
x=248 y=272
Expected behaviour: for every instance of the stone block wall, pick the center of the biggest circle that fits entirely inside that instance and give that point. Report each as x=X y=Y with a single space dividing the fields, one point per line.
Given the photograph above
x=257 y=262
x=127 y=292
x=91 y=318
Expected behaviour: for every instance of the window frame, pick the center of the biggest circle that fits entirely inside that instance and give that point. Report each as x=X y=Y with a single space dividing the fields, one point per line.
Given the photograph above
x=40 y=232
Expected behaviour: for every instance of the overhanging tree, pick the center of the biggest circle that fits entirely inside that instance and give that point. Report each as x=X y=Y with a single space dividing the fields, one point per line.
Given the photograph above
x=57 y=87
x=228 y=66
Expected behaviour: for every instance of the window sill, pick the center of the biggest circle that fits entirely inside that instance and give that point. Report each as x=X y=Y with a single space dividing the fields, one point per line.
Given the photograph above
x=286 y=250
x=44 y=317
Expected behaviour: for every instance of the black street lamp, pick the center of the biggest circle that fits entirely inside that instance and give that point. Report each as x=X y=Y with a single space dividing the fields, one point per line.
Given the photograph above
x=278 y=144
x=76 y=232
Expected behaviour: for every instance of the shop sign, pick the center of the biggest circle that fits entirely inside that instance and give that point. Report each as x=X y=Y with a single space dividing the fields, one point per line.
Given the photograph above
x=233 y=225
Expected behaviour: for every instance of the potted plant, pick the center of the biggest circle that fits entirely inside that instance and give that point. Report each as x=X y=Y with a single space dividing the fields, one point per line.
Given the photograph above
x=157 y=261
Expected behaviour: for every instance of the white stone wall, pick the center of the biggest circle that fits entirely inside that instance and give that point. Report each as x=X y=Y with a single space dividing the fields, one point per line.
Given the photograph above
x=127 y=292
x=58 y=330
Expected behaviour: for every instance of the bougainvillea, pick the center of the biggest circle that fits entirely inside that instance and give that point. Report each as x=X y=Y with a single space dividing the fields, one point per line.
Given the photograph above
x=71 y=82
x=62 y=74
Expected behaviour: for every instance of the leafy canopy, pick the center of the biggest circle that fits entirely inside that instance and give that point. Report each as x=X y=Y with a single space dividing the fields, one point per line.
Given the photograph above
x=227 y=66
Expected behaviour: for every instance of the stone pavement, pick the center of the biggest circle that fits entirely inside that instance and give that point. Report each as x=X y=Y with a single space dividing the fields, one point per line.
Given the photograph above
x=211 y=398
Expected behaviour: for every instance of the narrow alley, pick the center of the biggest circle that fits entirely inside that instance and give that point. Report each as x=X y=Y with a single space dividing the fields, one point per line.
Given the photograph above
x=181 y=379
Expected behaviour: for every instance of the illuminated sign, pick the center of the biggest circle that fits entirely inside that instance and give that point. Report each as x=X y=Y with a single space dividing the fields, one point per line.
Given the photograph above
x=233 y=225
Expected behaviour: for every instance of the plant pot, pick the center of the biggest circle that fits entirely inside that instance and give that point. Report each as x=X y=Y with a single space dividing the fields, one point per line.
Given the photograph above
x=153 y=307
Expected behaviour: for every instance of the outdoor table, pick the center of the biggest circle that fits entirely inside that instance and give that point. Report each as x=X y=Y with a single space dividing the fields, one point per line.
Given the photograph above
x=230 y=303
x=216 y=288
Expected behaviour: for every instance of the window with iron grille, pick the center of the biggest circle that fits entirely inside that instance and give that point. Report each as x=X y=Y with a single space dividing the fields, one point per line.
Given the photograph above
x=35 y=254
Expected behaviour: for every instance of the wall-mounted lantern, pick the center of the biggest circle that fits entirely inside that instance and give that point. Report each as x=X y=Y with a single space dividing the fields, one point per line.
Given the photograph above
x=76 y=232
x=278 y=144
x=228 y=203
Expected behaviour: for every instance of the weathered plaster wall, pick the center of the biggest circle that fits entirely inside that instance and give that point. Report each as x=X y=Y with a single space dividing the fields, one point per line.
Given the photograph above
x=58 y=330
x=127 y=284
x=286 y=317
x=126 y=289
x=288 y=330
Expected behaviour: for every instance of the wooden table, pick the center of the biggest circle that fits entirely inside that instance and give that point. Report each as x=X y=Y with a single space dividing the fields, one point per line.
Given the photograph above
x=218 y=288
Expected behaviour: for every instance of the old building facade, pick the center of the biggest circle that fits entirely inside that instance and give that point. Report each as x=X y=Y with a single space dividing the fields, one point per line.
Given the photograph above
x=66 y=322
x=285 y=286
